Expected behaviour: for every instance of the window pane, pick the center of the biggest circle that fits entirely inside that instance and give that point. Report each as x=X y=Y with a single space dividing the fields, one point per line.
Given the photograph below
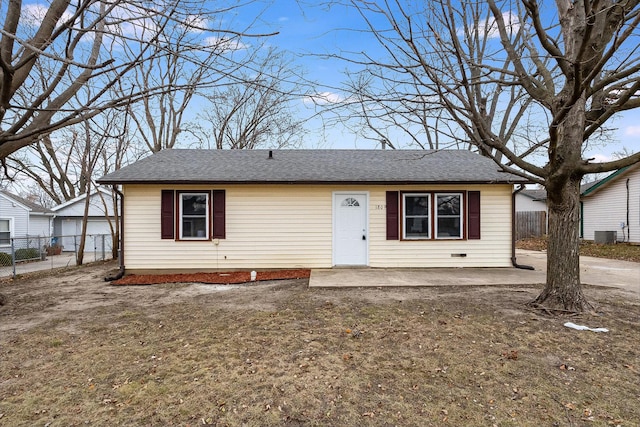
x=449 y=204
x=416 y=205
x=194 y=215
x=194 y=204
x=5 y=238
x=194 y=227
x=4 y=225
x=449 y=227
x=449 y=216
x=416 y=227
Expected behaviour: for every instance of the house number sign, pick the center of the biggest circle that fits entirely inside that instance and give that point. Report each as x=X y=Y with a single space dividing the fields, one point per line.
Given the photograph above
x=379 y=207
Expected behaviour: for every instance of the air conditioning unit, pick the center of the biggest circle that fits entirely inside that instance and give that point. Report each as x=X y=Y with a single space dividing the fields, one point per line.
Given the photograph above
x=605 y=237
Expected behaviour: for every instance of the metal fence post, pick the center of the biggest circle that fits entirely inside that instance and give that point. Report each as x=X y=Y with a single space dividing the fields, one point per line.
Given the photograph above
x=104 y=256
x=13 y=258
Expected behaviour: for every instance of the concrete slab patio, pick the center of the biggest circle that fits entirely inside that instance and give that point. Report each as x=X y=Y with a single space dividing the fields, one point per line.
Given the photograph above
x=593 y=271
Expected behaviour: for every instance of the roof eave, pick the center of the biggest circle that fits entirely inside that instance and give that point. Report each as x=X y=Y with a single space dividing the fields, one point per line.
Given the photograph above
x=308 y=182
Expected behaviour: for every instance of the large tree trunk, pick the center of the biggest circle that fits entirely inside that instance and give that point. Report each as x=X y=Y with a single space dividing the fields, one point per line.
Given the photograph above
x=563 y=289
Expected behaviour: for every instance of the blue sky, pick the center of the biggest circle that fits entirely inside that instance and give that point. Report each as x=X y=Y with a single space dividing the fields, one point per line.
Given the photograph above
x=316 y=30
x=307 y=31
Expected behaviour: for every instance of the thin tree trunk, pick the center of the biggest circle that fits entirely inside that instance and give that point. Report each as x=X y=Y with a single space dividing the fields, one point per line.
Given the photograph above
x=85 y=218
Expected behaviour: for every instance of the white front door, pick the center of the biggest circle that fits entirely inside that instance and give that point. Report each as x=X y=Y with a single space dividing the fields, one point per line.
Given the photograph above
x=350 y=234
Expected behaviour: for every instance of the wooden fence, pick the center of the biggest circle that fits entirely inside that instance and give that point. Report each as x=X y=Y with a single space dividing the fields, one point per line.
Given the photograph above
x=531 y=224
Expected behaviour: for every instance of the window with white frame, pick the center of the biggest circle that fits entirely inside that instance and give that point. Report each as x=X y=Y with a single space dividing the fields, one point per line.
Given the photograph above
x=416 y=208
x=5 y=232
x=194 y=216
x=448 y=216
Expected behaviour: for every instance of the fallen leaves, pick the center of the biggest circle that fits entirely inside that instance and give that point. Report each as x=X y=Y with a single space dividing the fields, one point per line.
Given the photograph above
x=510 y=354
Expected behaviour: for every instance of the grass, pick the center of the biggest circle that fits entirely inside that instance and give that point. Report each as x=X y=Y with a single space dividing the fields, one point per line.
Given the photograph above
x=281 y=354
x=621 y=251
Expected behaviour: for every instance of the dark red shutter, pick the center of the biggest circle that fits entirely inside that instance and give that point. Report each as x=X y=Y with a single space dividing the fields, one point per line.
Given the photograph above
x=218 y=214
x=392 y=216
x=167 y=220
x=473 y=229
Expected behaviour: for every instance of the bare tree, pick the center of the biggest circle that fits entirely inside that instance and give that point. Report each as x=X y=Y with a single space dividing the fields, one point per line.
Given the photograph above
x=528 y=89
x=63 y=163
x=256 y=110
x=48 y=54
x=187 y=63
x=393 y=110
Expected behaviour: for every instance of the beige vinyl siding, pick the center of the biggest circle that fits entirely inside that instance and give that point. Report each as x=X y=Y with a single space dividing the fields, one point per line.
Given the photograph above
x=266 y=227
x=291 y=226
x=492 y=250
x=606 y=208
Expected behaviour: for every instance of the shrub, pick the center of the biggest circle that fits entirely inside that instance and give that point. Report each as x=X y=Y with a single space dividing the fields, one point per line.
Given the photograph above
x=27 y=253
x=5 y=259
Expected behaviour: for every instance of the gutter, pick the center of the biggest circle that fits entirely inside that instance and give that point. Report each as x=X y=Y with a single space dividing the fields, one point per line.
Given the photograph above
x=121 y=270
x=513 y=231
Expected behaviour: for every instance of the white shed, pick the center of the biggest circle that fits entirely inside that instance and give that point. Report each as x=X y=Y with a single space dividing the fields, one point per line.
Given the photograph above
x=531 y=200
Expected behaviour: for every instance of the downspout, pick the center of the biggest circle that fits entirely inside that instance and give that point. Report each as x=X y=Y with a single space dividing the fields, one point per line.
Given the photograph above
x=513 y=231
x=121 y=271
x=628 y=231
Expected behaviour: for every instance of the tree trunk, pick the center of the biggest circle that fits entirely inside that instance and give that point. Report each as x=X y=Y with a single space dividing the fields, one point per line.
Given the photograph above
x=563 y=289
x=85 y=219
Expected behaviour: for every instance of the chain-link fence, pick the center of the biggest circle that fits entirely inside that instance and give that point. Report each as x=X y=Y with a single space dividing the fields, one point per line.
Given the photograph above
x=19 y=255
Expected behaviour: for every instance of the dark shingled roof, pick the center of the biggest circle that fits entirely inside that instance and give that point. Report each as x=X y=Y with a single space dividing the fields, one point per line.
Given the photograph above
x=311 y=166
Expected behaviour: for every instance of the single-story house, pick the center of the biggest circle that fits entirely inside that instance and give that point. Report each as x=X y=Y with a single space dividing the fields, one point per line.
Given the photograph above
x=208 y=210
x=21 y=219
x=612 y=205
x=69 y=215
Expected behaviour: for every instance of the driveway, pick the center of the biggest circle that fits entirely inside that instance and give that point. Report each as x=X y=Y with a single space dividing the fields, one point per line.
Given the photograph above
x=593 y=271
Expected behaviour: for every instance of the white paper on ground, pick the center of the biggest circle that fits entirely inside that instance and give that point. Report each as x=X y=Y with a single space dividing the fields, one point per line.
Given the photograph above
x=584 y=328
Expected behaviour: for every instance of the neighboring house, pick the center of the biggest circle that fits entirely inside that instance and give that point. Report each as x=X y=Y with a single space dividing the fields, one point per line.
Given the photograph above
x=21 y=218
x=613 y=205
x=67 y=225
x=531 y=200
x=206 y=210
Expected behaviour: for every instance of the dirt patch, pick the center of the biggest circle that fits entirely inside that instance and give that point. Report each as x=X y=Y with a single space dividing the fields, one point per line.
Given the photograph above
x=77 y=351
x=213 y=278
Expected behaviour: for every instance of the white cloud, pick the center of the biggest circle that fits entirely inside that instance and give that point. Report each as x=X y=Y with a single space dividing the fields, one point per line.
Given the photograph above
x=225 y=44
x=33 y=14
x=632 y=131
x=324 y=98
x=196 y=23
x=600 y=158
x=489 y=27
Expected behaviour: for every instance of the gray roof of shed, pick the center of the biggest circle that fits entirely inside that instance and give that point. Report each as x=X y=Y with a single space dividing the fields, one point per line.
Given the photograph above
x=179 y=166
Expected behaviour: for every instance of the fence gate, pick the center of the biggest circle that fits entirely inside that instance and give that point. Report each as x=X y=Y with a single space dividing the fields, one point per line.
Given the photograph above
x=531 y=224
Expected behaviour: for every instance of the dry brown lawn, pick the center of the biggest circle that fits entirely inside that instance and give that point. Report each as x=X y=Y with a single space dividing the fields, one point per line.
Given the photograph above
x=76 y=351
x=621 y=251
